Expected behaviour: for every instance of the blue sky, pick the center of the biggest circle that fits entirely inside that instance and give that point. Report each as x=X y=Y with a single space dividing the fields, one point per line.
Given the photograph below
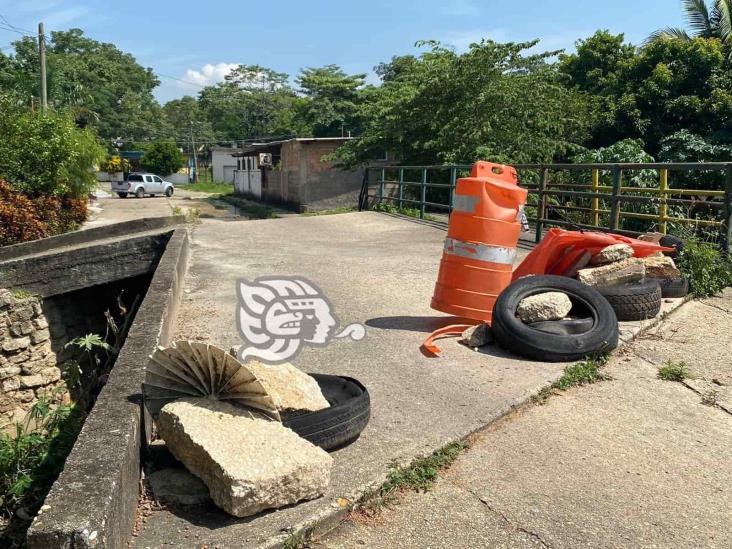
x=198 y=41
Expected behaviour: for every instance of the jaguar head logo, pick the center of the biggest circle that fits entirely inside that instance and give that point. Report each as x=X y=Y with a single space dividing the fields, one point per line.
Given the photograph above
x=276 y=316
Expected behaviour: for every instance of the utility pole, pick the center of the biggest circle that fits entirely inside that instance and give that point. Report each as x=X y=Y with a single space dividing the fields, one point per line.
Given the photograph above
x=195 y=156
x=42 y=52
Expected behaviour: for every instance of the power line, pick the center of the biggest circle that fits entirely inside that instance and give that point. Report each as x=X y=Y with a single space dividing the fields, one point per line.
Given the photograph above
x=181 y=80
x=9 y=24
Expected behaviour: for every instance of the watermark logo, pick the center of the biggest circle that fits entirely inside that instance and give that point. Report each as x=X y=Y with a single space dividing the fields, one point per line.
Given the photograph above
x=277 y=315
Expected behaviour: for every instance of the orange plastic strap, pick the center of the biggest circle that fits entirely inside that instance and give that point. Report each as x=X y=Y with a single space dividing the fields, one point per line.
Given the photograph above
x=429 y=346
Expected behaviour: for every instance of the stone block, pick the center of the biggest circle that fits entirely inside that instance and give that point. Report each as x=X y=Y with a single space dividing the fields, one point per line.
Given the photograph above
x=544 y=306
x=19 y=329
x=477 y=336
x=37 y=366
x=28 y=382
x=11 y=384
x=21 y=314
x=289 y=388
x=249 y=462
x=40 y=336
x=6 y=298
x=632 y=269
x=37 y=309
x=15 y=344
x=26 y=395
x=7 y=402
x=612 y=253
x=661 y=266
x=9 y=371
x=40 y=323
x=19 y=358
x=50 y=375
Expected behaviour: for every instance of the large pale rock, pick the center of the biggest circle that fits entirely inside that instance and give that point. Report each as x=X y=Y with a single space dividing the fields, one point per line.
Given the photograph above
x=661 y=266
x=545 y=306
x=632 y=269
x=249 y=462
x=289 y=388
x=612 y=253
x=477 y=336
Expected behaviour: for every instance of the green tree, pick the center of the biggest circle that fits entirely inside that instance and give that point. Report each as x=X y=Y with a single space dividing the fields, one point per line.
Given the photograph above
x=185 y=117
x=704 y=21
x=495 y=102
x=252 y=102
x=101 y=85
x=334 y=97
x=162 y=158
x=46 y=154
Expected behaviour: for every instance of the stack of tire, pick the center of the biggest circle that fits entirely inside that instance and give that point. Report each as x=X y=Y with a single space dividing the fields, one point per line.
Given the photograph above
x=591 y=327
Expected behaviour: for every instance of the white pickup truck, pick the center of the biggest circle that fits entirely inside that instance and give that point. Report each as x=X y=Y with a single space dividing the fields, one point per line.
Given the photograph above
x=141 y=184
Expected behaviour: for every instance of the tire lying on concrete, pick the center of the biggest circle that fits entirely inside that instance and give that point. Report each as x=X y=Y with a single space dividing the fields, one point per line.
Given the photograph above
x=561 y=345
x=635 y=300
x=342 y=422
x=673 y=287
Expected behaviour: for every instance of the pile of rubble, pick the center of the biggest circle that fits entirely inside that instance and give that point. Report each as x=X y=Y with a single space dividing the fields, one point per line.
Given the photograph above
x=231 y=434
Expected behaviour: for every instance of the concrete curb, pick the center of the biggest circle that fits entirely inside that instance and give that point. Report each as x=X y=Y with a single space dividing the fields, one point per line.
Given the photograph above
x=326 y=521
x=94 y=501
x=124 y=229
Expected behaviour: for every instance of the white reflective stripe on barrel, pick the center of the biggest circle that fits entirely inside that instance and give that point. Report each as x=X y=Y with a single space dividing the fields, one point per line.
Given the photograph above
x=481 y=252
x=465 y=203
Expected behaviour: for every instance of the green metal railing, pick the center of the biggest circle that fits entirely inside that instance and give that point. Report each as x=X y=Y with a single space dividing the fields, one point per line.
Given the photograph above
x=555 y=189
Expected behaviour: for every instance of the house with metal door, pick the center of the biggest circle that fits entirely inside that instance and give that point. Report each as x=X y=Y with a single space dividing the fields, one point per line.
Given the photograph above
x=296 y=173
x=223 y=163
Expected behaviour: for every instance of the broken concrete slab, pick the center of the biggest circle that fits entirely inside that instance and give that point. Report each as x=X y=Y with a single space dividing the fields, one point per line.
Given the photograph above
x=249 y=462
x=289 y=388
x=477 y=336
x=544 y=306
x=612 y=253
x=632 y=269
x=661 y=266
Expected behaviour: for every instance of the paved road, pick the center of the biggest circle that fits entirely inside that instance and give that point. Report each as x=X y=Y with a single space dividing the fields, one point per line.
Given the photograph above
x=376 y=269
x=631 y=462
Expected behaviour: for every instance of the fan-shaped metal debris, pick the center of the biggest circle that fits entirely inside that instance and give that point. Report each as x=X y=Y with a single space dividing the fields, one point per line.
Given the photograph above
x=191 y=369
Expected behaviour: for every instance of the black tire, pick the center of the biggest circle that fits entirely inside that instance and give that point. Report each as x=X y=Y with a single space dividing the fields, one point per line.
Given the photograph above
x=169 y=192
x=669 y=241
x=537 y=344
x=122 y=195
x=673 y=287
x=634 y=301
x=140 y=193
x=342 y=422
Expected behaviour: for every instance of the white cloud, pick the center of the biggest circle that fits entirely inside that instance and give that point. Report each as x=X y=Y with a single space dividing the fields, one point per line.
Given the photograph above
x=208 y=74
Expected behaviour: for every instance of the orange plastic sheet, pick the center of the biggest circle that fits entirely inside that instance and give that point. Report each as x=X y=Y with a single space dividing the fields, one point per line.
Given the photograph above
x=560 y=249
x=430 y=349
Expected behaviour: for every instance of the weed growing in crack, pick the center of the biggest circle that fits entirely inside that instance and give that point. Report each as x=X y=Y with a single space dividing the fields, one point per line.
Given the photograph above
x=673 y=371
x=582 y=373
x=299 y=540
x=419 y=476
x=710 y=397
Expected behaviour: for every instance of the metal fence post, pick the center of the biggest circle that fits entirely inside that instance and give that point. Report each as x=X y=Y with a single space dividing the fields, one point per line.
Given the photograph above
x=728 y=208
x=595 y=200
x=663 y=208
x=401 y=187
x=615 y=198
x=453 y=179
x=541 y=205
x=381 y=185
x=424 y=193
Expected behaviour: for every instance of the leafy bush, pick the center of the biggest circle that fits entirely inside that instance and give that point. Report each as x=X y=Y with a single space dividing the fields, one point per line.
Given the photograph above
x=45 y=153
x=708 y=269
x=162 y=158
x=23 y=218
x=32 y=459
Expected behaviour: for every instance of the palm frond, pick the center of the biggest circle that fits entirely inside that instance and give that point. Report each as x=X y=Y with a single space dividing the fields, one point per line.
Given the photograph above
x=722 y=14
x=668 y=32
x=698 y=17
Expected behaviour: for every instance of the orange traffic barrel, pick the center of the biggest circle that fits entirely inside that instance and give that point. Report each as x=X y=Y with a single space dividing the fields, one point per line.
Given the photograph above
x=480 y=247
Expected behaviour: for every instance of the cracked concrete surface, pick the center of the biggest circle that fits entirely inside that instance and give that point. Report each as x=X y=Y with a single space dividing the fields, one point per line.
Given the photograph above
x=631 y=462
